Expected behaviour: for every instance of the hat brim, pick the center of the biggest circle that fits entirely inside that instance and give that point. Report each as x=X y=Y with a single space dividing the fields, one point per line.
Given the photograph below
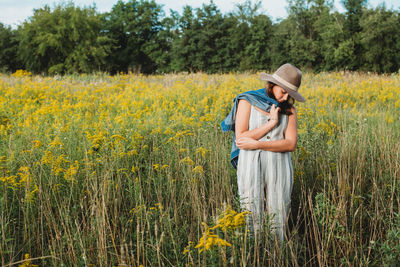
x=266 y=77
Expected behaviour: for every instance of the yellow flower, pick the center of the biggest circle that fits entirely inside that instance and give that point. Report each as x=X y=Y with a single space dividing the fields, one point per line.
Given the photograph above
x=198 y=169
x=187 y=161
x=56 y=142
x=230 y=219
x=21 y=73
x=37 y=144
x=71 y=172
x=164 y=166
x=183 y=150
x=118 y=137
x=188 y=249
x=25 y=175
x=10 y=180
x=27 y=262
x=202 y=151
x=210 y=239
x=133 y=170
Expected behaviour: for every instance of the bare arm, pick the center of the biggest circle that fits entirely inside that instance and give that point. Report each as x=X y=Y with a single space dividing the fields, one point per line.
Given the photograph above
x=284 y=145
x=242 y=122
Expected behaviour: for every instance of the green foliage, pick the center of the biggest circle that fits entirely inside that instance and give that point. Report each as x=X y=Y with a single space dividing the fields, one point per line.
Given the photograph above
x=66 y=39
x=203 y=41
x=380 y=39
x=137 y=36
x=259 y=47
x=8 y=49
x=139 y=42
x=352 y=29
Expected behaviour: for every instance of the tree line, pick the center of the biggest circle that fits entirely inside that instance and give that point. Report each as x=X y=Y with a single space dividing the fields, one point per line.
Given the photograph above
x=137 y=36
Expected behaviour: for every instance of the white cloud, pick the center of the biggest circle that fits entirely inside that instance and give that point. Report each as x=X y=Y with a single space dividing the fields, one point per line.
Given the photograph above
x=14 y=16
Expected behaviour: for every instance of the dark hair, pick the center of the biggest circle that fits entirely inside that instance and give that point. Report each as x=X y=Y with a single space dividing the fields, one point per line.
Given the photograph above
x=284 y=106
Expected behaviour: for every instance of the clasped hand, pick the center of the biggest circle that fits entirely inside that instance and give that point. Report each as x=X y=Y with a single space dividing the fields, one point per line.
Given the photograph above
x=247 y=143
x=274 y=113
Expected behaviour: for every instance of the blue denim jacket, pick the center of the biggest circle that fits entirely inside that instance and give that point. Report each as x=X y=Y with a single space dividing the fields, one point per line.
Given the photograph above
x=258 y=98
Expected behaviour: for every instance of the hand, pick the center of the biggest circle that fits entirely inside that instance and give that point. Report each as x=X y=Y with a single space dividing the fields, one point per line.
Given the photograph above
x=274 y=113
x=247 y=143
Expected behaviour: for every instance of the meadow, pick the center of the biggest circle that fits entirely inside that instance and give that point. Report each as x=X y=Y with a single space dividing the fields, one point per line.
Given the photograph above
x=133 y=170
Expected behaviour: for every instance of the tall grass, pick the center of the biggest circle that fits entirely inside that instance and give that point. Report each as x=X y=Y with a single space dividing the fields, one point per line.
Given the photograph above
x=134 y=170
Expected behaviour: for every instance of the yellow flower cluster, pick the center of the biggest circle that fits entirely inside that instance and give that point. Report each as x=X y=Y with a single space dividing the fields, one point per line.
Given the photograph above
x=27 y=262
x=137 y=211
x=210 y=239
x=65 y=124
x=228 y=220
x=21 y=73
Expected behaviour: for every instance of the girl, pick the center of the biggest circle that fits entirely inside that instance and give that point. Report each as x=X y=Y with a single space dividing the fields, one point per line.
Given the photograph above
x=265 y=132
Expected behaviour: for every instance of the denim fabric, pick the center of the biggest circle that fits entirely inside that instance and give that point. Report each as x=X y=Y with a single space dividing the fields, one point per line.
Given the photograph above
x=258 y=98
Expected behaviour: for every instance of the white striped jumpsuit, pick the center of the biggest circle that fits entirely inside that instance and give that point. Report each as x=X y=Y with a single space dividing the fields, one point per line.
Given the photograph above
x=265 y=178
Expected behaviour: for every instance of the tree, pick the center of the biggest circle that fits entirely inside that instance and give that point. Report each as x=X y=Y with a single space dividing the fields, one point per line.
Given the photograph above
x=333 y=46
x=253 y=35
x=184 y=45
x=66 y=39
x=380 y=39
x=294 y=40
x=203 y=42
x=351 y=50
x=209 y=39
x=135 y=27
x=8 y=49
x=259 y=50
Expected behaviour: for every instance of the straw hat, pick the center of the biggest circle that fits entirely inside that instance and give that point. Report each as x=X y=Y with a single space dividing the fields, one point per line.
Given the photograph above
x=288 y=77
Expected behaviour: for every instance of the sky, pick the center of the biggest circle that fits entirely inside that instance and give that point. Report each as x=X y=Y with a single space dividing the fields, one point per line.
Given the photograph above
x=14 y=12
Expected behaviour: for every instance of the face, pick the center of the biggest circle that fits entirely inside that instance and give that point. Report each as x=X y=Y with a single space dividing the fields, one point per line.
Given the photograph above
x=280 y=94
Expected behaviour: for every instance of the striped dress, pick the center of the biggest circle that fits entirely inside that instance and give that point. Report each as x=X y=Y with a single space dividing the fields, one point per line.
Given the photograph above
x=265 y=178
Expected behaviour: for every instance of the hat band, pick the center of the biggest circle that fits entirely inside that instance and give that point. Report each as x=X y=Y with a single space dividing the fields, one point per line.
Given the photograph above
x=282 y=81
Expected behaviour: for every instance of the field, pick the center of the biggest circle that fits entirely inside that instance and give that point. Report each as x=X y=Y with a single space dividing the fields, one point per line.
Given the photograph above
x=133 y=170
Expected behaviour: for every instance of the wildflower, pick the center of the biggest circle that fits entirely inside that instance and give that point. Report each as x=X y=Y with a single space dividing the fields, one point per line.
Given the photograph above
x=210 y=239
x=27 y=262
x=388 y=118
x=168 y=131
x=71 y=172
x=183 y=150
x=164 y=166
x=132 y=152
x=56 y=142
x=117 y=137
x=21 y=74
x=230 y=219
x=24 y=175
x=30 y=195
x=10 y=181
x=187 y=249
x=156 y=131
x=202 y=151
x=179 y=135
x=198 y=169
x=3 y=160
x=37 y=144
x=137 y=209
x=187 y=161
